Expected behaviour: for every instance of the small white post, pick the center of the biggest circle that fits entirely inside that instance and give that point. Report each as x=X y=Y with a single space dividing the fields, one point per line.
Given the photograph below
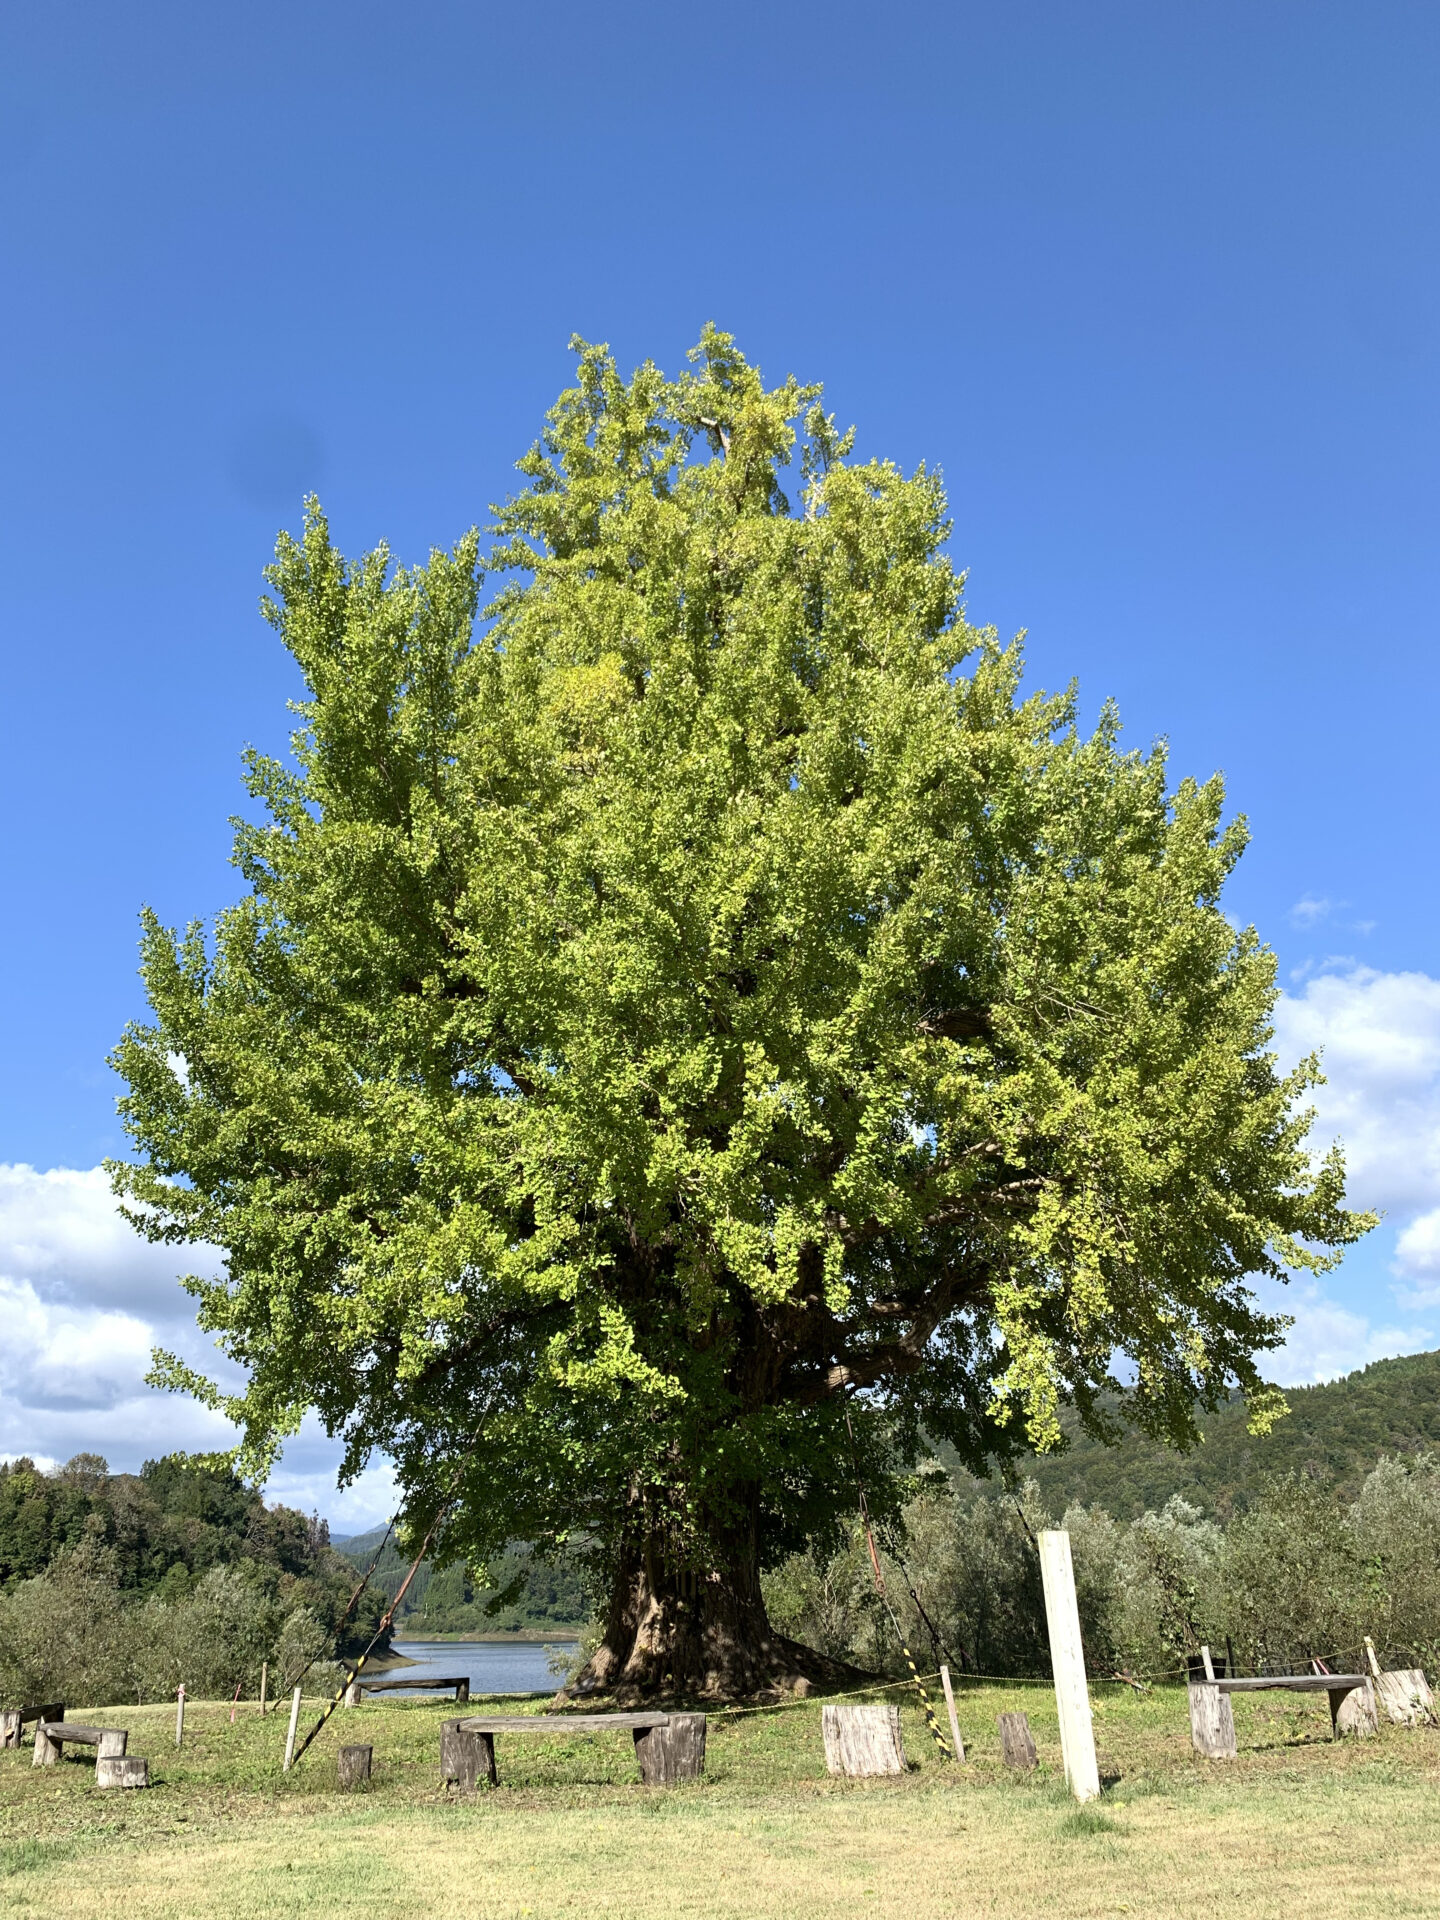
x=294 y=1722
x=950 y=1709
x=1067 y=1657
x=180 y=1714
x=264 y=1682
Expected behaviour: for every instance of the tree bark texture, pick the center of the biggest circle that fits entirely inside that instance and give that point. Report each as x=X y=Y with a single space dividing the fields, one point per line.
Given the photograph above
x=121 y=1770
x=353 y=1765
x=1354 y=1714
x=1406 y=1697
x=695 y=1632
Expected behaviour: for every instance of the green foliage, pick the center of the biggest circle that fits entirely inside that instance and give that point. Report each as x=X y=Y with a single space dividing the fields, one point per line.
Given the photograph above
x=1336 y=1431
x=121 y=1586
x=698 y=991
x=1302 y=1573
x=170 y=1523
x=518 y=1590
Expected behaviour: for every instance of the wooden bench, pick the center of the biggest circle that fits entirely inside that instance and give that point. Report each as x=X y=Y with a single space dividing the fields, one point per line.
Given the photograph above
x=668 y=1746
x=1212 y=1725
x=12 y=1719
x=51 y=1735
x=460 y=1682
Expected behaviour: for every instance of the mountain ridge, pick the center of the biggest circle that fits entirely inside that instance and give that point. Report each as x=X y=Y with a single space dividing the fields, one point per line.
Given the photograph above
x=1335 y=1430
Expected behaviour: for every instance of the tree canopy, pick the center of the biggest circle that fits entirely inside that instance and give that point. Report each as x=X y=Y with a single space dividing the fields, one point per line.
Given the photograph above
x=699 y=994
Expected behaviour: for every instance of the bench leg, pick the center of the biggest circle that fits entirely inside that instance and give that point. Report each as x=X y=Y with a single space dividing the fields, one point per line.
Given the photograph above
x=10 y=1727
x=1353 y=1712
x=466 y=1758
x=112 y=1744
x=1212 y=1724
x=672 y=1752
x=47 y=1751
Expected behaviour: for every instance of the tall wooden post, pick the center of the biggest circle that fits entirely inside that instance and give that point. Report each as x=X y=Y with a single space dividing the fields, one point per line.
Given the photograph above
x=264 y=1682
x=1067 y=1657
x=180 y=1715
x=294 y=1723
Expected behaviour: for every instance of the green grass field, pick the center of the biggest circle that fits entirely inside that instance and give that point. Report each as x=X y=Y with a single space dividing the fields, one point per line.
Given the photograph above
x=1296 y=1826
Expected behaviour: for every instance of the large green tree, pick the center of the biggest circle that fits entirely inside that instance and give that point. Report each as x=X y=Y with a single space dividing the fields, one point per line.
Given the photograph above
x=697 y=995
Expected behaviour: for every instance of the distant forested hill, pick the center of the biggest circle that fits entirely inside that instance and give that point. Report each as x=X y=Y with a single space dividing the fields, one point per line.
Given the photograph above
x=1340 y=1429
x=162 y=1530
x=529 y=1595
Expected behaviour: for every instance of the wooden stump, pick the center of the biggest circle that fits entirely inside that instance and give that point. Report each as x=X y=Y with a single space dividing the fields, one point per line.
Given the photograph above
x=674 y=1752
x=353 y=1765
x=1017 y=1744
x=10 y=1724
x=1212 y=1724
x=1406 y=1697
x=465 y=1757
x=47 y=1751
x=862 y=1741
x=352 y=1695
x=462 y=1693
x=1353 y=1713
x=121 y=1770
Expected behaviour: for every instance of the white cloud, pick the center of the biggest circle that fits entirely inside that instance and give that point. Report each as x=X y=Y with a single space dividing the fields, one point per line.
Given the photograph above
x=66 y=1356
x=1417 y=1260
x=83 y=1299
x=1307 y=912
x=1329 y=1339
x=62 y=1233
x=1379 y=1037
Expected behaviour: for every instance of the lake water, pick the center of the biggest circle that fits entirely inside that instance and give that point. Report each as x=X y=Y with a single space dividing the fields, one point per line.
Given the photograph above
x=508 y=1666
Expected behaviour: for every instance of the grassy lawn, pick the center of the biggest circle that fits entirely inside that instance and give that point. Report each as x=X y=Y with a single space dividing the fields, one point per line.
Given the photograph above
x=1295 y=1826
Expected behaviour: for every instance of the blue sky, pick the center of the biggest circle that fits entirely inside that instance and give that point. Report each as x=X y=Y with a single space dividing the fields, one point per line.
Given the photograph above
x=1157 y=288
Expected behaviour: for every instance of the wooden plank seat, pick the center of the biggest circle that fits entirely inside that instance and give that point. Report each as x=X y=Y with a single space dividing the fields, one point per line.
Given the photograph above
x=1348 y=1714
x=460 y=1683
x=668 y=1746
x=51 y=1735
x=13 y=1719
x=1340 y=1683
x=1212 y=1726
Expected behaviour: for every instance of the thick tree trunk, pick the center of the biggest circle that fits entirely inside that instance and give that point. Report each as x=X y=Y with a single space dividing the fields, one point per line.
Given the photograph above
x=695 y=1634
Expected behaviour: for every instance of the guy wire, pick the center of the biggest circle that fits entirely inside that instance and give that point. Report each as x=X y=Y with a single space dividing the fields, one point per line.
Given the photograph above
x=934 y=1725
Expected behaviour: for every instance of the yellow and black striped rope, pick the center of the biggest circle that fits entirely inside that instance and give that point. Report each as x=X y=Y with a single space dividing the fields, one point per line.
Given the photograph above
x=934 y=1725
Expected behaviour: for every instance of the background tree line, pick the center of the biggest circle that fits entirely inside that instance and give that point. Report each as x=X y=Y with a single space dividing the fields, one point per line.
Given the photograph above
x=119 y=1587
x=521 y=1591
x=1302 y=1572
x=1338 y=1430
